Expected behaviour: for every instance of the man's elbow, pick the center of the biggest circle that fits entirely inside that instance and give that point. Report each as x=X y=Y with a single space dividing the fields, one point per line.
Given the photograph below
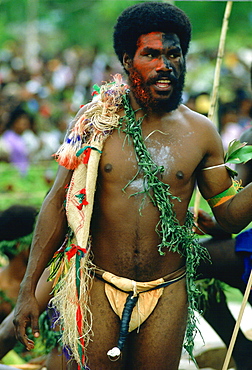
x=232 y=227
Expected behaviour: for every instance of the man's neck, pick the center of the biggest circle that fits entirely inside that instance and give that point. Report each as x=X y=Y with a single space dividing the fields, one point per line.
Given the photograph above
x=149 y=113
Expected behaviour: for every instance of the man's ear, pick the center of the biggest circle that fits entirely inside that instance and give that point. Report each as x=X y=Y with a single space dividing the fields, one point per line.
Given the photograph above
x=127 y=62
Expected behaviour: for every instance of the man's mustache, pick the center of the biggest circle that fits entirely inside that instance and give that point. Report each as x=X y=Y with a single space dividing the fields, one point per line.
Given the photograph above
x=163 y=75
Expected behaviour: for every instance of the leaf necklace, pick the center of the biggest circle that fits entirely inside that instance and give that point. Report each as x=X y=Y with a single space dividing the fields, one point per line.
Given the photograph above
x=173 y=236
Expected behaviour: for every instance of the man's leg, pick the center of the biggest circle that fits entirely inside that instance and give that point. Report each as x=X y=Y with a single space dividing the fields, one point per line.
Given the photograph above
x=226 y=266
x=7 y=335
x=158 y=343
x=218 y=315
x=106 y=330
x=56 y=360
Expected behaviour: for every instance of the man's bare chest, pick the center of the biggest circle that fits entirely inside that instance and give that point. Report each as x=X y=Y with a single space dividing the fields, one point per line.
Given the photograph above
x=172 y=159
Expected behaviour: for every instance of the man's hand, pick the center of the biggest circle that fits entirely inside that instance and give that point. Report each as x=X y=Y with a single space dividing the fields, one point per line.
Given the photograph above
x=207 y=224
x=26 y=314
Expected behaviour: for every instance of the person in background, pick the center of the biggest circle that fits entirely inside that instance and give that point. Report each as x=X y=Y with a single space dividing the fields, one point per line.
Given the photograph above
x=16 y=229
x=13 y=142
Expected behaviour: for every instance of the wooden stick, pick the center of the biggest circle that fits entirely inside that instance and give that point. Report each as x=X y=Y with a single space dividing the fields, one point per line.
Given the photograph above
x=238 y=322
x=244 y=301
x=216 y=84
x=220 y=55
x=197 y=197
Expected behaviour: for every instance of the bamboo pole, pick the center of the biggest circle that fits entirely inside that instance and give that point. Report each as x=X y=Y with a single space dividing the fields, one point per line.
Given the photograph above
x=216 y=84
x=238 y=322
x=243 y=305
x=220 y=55
x=211 y=113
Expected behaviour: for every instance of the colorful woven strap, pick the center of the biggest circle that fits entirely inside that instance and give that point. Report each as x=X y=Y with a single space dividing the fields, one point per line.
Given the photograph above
x=222 y=197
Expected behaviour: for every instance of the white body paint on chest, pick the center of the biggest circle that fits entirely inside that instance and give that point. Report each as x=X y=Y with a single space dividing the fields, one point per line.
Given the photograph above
x=161 y=156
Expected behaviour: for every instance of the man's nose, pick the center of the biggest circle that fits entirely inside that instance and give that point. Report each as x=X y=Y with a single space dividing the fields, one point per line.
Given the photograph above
x=164 y=65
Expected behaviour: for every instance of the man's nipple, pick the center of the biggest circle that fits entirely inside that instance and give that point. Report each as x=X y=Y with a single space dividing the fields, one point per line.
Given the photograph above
x=180 y=175
x=108 y=167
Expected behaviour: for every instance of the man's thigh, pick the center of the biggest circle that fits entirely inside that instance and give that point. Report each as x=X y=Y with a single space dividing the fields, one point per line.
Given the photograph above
x=56 y=360
x=158 y=343
x=106 y=325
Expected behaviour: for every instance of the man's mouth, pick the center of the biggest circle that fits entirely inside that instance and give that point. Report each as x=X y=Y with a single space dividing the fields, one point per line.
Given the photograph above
x=164 y=84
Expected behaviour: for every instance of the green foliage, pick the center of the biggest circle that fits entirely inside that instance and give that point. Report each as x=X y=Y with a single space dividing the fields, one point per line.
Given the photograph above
x=12 y=358
x=238 y=152
x=90 y=23
x=207 y=17
x=29 y=190
x=210 y=11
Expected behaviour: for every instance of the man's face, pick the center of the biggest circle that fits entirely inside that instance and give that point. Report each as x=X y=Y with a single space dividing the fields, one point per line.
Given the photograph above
x=157 y=72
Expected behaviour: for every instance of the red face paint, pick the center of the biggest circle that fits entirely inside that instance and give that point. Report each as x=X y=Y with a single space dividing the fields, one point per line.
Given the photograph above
x=157 y=64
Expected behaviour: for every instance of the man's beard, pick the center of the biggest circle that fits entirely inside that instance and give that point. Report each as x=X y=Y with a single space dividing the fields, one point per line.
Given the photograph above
x=143 y=95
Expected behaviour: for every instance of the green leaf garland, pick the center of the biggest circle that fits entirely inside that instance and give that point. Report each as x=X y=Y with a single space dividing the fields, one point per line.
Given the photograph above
x=237 y=153
x=173 y=236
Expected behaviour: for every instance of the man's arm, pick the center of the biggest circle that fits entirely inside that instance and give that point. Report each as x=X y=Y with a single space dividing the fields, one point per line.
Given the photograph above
x=7 y=332
x=207 y=223
x=49 y=233
x=236 y=213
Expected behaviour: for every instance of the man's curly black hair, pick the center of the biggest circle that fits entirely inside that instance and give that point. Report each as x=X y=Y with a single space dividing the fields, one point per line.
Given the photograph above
x=146 y=17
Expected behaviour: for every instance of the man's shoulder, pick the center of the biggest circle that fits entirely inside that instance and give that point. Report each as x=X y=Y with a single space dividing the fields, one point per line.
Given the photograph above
x=195 y=117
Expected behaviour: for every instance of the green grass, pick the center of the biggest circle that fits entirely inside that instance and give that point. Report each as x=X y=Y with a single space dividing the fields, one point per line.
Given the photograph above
x=29 y=190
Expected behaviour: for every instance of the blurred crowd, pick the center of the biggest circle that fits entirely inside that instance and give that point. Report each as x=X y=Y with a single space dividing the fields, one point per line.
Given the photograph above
x=232 y=117
x=234 y=105
x=38 y=103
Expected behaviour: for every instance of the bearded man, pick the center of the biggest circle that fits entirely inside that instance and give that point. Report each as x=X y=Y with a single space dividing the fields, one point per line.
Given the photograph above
x=124 y=276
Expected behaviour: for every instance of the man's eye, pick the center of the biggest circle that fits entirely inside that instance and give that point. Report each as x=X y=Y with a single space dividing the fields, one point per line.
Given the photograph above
x=174 y=56
x=150 y=55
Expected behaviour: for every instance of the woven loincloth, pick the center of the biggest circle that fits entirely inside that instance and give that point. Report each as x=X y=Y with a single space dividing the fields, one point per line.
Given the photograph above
x=117 y=290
